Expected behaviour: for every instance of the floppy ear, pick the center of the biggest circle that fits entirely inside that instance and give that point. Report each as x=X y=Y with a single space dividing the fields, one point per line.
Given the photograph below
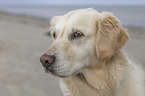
x=111 y=36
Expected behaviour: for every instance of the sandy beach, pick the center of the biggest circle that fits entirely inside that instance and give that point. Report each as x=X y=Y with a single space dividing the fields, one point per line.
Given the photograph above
x=23 y=39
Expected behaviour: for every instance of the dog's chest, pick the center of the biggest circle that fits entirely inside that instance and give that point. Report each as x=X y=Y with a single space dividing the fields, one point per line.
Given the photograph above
x=64 y=89
x=80 y=89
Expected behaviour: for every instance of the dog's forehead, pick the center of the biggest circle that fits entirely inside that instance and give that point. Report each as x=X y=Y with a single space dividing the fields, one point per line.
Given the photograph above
x=78 y=19
x=80 y=16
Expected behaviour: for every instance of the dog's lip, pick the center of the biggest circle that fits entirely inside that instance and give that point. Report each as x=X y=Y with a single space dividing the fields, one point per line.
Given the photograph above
x=49 y=70
x=53 y=73
x=46 y=70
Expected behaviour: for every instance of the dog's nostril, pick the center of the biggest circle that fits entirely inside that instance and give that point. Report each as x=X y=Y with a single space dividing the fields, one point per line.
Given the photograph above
x=46 y=62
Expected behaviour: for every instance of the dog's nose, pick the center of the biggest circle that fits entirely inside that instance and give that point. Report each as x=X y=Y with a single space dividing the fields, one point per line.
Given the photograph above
x=47 y=60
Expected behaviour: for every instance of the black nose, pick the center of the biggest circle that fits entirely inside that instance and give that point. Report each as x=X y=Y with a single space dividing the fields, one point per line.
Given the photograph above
x=47 y=60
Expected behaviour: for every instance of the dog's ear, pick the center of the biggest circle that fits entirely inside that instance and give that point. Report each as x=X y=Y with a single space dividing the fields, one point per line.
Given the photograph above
x=111 y=36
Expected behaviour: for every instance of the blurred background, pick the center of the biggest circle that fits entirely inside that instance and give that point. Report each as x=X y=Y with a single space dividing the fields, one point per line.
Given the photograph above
x=24 y=26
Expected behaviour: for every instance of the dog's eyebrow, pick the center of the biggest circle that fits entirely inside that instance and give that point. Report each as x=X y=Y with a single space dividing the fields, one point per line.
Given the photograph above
x=62 y=32
x=74 y=30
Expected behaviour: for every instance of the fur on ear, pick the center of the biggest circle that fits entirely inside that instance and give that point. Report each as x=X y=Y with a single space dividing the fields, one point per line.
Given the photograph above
x=111 y=36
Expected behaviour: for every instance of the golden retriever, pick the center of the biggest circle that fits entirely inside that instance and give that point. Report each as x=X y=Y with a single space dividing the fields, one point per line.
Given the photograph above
x=86 y=54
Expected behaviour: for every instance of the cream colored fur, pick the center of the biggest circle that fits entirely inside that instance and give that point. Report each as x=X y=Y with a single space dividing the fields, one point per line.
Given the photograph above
x=93 y=65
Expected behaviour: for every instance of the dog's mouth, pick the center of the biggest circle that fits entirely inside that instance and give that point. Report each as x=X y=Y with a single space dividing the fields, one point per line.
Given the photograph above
x=46 y=70
x=61 y=71
x=54 y=72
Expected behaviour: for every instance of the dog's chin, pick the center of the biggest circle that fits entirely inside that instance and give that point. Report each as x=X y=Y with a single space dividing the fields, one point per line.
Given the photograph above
x=64 y=76
x=54 y=73
x=58 y=75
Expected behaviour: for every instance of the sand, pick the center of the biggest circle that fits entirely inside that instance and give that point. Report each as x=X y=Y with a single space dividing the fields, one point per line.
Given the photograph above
x=23 y=39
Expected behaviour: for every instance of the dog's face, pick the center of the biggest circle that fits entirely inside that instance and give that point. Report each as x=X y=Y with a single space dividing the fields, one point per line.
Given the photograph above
x=79 y=37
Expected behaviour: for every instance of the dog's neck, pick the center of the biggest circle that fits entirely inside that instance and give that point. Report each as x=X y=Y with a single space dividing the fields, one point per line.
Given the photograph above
x=99 y=77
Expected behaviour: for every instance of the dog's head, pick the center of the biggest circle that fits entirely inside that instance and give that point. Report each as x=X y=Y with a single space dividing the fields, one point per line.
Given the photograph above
x=82 y=37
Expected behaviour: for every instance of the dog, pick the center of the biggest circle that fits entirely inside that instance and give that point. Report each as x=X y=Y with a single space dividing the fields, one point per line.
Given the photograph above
x=86 y=56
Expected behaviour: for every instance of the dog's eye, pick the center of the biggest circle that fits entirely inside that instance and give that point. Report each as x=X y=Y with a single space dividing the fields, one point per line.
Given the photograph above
x=54 y=35
x=76 y=35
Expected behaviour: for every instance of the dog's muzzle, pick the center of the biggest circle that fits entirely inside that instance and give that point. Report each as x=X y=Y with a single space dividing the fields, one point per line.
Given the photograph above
x=47 y=61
